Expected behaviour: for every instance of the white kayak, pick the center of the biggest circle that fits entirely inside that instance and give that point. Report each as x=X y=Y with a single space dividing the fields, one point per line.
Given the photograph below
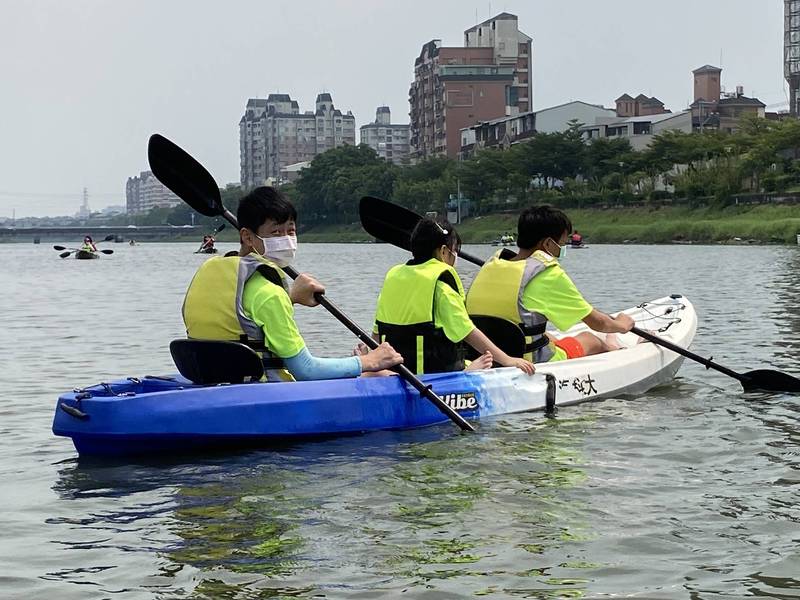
x=636 y=368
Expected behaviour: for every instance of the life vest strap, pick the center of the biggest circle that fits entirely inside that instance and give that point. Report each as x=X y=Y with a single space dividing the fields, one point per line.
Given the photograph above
x=538 y=343
x=537 y=329
x=269 y=361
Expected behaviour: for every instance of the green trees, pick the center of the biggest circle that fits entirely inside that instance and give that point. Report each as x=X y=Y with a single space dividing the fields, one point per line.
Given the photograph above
x=328 y=190
x=560 y=168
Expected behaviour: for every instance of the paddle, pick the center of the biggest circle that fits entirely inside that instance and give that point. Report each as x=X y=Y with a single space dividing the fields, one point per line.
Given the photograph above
x=190 y=181
x=761 y=379
x=393 y=224
x=108 y=238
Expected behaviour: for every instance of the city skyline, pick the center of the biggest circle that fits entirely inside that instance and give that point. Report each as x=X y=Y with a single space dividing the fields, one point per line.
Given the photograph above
x=85 y=83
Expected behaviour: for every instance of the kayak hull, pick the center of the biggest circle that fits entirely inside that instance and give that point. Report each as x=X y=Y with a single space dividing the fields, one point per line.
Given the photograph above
x=207 y=251
x=155 y=415
x=86 y=255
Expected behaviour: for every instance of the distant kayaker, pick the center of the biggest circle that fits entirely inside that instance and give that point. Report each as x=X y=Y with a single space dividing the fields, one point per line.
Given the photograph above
x=576 y=239
x=531 y=288
x=88 y=244
x=421 y=308
x=208 y=243
x=245 y=297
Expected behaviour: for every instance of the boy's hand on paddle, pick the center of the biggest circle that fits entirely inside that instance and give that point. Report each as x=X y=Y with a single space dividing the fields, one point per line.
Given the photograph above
x=625 y=322
x=303 y=290
x=382 y=357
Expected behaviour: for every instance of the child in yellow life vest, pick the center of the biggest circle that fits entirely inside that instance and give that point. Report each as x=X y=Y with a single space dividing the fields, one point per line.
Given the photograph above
x=245 y=297
x=530 y=288
x=421 y=310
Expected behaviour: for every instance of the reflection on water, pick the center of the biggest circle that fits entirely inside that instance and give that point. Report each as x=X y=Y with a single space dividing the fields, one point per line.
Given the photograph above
x=687 y=492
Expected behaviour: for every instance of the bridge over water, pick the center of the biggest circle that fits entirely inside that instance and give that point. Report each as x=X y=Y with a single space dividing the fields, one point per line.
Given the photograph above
x=76 y=234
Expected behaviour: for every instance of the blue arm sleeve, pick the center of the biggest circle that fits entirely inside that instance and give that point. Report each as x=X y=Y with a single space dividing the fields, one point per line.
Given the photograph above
x=305 y=367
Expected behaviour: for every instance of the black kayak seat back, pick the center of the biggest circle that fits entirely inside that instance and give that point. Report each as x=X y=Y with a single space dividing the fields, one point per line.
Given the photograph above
x=210 y=362
x=506 y=335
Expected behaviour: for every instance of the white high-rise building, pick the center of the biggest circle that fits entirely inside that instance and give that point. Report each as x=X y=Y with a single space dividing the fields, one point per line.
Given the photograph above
x=145 y=192
x=273 y=134
x=390 y=141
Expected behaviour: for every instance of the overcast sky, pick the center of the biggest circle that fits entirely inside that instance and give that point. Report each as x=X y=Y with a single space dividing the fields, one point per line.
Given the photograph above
x=83 y=83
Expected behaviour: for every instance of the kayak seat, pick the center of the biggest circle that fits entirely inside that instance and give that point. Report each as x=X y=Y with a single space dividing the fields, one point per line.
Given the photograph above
x=506 y=335
x=209 y=362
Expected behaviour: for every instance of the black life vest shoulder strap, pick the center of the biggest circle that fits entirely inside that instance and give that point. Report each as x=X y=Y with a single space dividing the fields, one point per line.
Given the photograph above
x=448 y=278
x=270 y=274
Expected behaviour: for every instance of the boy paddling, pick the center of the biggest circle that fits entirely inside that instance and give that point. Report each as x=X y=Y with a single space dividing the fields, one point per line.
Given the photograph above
x=530 y=288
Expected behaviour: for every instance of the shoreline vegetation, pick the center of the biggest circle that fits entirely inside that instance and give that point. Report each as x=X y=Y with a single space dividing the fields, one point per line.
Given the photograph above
x=760 y=224
x=703 y=187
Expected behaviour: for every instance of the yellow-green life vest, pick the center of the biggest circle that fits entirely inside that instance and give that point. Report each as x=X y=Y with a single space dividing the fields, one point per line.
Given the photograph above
x=405 y=316
x=212 y=308
x=497 y=292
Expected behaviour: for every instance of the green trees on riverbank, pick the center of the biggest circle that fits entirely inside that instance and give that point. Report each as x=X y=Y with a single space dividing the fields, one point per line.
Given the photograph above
x=709 y=168
x=560 y=168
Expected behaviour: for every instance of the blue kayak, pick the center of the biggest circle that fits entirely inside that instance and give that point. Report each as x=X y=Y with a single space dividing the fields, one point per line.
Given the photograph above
x=172 y=414
x=151 y=415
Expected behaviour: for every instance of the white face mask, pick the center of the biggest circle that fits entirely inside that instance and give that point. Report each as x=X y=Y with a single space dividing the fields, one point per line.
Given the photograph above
x=280 y=250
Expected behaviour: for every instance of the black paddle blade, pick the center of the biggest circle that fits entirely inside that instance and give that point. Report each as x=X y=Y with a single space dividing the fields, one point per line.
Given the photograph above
x=65 y=254
x=59 y=248
x=182 y=174
x=106 y=251
x=387 y=222
x=770 y=381
x=220 y=228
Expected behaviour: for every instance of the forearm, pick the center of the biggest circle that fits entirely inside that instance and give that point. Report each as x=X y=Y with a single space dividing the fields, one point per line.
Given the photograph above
x=480 y=343
x=600 y=321
x=305 y=367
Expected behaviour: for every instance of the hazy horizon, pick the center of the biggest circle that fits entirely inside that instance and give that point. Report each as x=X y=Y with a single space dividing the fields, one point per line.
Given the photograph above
x=85 y=83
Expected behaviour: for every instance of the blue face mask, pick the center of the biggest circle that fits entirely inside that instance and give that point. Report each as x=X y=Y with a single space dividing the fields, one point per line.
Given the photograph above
x=562 y=250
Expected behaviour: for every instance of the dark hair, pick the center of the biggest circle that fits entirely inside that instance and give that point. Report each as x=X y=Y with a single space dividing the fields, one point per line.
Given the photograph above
x=428 y=235
x=541 y=222
x=264 y=203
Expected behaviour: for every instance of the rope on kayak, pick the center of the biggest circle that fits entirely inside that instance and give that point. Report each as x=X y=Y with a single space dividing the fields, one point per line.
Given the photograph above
x=671 y=309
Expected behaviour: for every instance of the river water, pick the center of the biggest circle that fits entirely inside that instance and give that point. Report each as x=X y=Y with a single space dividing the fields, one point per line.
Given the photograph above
x=691 y=491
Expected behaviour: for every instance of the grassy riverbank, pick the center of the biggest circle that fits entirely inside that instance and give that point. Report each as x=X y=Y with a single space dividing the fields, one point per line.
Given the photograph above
x=766 y=224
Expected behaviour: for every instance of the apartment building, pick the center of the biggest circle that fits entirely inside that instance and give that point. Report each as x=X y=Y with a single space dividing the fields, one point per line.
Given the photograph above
x=506 y=131
x=456 y=87
x=389 y=140
x=144 y=192
x=640 y=106
x=791 y=52
x=714 y=109
x=273 y=134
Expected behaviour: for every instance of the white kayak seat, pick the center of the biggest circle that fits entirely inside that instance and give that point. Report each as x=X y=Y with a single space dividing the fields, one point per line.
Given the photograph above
x=211 y=362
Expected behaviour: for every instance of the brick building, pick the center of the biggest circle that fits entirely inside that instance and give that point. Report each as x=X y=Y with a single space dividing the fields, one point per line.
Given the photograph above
x=456 y=87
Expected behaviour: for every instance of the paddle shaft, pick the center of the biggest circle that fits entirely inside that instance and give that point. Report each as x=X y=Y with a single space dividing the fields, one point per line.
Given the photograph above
x=677 y=349
x=402 y=370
